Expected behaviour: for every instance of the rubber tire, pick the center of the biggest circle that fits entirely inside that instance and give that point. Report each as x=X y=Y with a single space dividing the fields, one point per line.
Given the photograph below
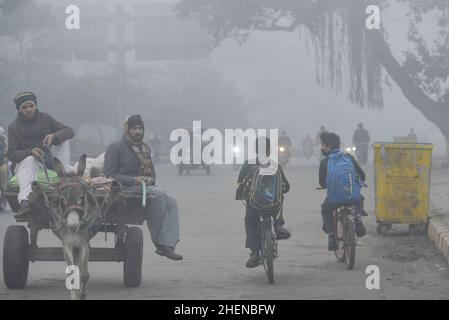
x=350 y=256
x=15 y=264
x=382 y=229
x=340 y=257
x=350 y=244
x=133 y=253
x=269 y=255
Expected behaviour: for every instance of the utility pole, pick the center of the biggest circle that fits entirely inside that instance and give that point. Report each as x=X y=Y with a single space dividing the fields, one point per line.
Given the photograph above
x=121 y=64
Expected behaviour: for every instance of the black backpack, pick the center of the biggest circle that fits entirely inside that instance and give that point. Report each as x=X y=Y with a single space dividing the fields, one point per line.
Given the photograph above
x=264 y=192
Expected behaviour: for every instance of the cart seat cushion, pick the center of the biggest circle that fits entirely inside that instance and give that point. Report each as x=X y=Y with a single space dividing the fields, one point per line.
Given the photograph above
x=13 y=184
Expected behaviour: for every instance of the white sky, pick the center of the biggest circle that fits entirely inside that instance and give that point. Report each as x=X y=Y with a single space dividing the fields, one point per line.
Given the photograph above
x=275 y=70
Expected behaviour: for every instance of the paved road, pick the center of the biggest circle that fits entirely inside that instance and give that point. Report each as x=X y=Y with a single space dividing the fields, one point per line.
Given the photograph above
x=212 y=242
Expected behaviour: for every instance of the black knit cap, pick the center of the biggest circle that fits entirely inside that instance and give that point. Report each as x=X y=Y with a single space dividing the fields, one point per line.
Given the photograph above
x=135 y=120
x=23 y=97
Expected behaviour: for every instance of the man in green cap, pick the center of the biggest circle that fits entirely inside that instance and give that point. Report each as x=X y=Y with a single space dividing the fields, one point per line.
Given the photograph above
x=28 y=135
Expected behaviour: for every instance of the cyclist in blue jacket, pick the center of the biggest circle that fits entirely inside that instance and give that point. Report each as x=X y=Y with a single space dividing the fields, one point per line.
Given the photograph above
x=330 y=144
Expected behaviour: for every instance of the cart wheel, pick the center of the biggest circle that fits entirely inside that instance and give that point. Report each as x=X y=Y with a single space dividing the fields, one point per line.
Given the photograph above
x=382 y=229
x=15 y=263
x=132 y=266
x=416 y=229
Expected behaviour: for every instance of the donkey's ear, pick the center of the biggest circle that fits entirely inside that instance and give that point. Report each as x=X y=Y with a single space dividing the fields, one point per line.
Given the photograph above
x=81 y=166
x=59 y=168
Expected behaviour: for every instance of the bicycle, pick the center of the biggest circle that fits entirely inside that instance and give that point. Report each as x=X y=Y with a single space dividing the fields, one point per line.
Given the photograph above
x=269 y=244
x=344 y=231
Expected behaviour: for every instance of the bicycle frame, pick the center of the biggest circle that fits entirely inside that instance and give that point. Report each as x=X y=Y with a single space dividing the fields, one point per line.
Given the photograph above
x=347 y=214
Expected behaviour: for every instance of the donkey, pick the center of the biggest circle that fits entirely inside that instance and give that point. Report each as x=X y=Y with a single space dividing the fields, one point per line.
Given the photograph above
x=74 y=210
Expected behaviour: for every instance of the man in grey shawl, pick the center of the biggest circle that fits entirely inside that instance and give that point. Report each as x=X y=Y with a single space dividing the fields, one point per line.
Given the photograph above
x=128 y=161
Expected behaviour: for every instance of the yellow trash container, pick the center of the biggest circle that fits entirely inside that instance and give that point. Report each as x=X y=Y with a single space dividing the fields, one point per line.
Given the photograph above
x=402 y=184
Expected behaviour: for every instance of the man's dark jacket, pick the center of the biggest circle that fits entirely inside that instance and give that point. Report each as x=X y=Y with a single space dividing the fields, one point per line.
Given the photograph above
x=122 y=164
x=25 y=134
x=361 y=136
x=323 y=169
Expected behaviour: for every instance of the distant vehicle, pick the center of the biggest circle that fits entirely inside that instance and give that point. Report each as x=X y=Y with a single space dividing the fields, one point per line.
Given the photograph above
x=284 y=155
x=188 y=166
x=351 y=150
x=236 y=151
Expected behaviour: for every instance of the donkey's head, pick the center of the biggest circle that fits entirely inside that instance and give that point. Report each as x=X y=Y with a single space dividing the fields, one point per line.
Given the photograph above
x=72 y=197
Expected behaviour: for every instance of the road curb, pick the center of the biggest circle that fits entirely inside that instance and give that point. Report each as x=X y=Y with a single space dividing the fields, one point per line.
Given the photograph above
x=439 y=234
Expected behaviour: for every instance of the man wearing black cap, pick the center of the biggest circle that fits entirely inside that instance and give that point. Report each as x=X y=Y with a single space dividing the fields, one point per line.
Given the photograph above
x=28 y=134
x=128 y=161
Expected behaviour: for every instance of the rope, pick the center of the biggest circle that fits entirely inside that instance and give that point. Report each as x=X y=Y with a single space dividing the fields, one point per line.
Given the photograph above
x=144 y=194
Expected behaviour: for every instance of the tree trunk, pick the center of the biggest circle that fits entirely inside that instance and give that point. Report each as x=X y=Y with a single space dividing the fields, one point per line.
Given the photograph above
x=434 y=111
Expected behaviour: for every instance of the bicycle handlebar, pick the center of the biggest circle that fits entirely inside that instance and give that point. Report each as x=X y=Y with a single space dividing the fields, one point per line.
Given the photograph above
x=321 y=188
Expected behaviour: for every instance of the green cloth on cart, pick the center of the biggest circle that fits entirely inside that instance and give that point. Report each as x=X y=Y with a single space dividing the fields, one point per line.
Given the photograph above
x=13 y=184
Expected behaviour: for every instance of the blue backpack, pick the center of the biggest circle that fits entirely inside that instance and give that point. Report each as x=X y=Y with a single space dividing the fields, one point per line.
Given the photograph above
x=343 y=185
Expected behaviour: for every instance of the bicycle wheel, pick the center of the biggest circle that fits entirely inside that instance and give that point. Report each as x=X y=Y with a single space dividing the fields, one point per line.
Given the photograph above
x=268 y=251
x=350 y=244
x=340 y=253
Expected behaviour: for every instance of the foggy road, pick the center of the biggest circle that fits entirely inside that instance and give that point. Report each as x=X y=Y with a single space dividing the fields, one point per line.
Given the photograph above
x=212 y=242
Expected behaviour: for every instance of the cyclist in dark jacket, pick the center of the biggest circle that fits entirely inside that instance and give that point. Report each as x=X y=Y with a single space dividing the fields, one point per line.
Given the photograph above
x=252 y=217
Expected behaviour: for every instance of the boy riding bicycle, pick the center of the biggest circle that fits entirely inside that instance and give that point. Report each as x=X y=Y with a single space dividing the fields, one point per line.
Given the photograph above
x=252 y=217
x=342 y=176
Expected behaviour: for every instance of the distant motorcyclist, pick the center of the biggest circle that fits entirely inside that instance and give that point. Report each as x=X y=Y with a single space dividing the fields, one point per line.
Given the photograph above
x=285 y=143
x=307 y=146
x=284 y=139
x=361 y=140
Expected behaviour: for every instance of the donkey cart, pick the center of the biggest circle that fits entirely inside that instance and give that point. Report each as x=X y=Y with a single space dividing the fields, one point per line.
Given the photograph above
x=120 y=217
